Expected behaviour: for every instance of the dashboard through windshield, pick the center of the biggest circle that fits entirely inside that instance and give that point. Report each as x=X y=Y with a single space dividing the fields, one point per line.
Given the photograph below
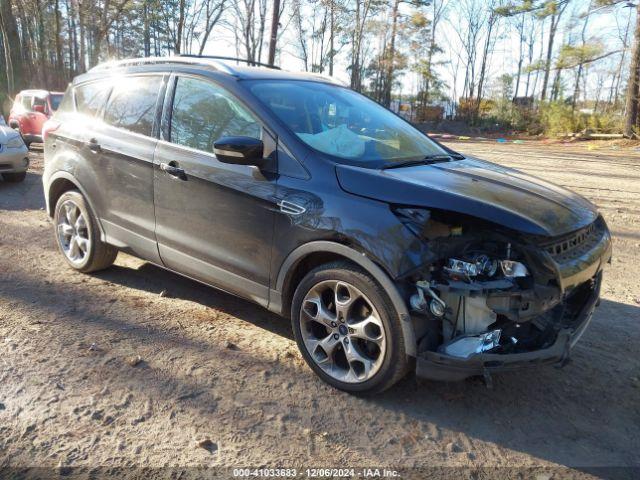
x=339 y=122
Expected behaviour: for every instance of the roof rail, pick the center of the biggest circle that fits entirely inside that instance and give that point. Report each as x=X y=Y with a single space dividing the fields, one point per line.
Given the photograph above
x=189 y=60
x=251 y=63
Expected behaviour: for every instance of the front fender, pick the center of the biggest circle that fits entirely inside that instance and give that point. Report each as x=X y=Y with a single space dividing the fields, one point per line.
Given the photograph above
x=362 y=260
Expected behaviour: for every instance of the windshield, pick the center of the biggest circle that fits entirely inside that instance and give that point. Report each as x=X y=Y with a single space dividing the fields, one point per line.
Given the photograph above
x=342 y=123
x=55 y=101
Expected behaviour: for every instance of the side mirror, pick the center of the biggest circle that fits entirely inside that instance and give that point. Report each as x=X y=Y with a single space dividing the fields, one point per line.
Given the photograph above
x=39 y=108
x=239 y=150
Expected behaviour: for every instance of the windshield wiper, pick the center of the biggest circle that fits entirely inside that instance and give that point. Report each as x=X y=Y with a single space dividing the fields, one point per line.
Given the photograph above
x=428 y=160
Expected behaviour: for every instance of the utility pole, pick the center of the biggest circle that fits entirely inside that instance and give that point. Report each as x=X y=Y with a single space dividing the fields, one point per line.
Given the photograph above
x=274 y=32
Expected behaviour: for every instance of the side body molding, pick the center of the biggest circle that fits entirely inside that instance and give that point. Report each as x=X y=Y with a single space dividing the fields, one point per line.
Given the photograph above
x=289 y=264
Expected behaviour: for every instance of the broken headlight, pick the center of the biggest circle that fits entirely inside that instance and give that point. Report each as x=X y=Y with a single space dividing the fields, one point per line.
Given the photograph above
x=486 y=266
x=511 y=269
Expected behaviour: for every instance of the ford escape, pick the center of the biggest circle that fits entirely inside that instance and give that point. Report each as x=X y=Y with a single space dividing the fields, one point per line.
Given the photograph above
x=388 y=251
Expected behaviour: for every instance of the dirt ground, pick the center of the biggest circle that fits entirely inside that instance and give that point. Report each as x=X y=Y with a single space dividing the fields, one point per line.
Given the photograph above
x=135 y=366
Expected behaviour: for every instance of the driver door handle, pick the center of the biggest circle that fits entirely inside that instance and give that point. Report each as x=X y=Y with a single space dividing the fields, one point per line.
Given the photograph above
x=173 y=170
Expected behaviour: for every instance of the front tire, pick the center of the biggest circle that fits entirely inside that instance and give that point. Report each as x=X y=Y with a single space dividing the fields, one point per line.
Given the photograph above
x=14 y=177
x=347 y=329
x=78 y=235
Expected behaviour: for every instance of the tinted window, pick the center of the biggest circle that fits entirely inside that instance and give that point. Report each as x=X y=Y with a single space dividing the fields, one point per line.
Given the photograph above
x=132 y=104
x=203 y=112
x=91 y=96
x=55 y=101
x=41 y=102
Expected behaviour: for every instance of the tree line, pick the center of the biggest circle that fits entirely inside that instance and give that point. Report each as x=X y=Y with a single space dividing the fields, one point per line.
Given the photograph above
x=503 y=60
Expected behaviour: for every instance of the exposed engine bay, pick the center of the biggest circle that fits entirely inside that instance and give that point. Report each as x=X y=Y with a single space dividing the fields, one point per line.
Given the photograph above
x=490 y=291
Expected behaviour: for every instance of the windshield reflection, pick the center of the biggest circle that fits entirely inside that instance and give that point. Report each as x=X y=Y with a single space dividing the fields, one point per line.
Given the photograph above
x=342 y=123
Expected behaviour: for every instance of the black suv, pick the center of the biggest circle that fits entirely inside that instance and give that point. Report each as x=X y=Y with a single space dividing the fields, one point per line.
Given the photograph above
x=387 y=250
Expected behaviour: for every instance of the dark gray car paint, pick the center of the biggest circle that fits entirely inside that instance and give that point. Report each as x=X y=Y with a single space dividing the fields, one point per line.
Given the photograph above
x=124 y=165
x=216 y=223
x=481 y=189
x=234 y=236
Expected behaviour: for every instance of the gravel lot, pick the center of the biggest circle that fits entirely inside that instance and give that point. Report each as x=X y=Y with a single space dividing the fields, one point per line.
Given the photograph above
x=135 y=366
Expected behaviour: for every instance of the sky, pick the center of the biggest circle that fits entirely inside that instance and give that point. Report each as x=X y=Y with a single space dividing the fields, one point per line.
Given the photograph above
x=604 y=25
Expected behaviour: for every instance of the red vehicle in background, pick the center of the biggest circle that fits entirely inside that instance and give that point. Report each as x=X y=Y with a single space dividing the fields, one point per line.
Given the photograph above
x=30 y=110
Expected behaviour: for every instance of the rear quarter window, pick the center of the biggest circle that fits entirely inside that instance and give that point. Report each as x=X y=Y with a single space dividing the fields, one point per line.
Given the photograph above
x=90 y=97
x=55 y=100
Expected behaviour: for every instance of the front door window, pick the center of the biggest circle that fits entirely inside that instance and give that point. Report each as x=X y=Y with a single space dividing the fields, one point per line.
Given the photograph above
x=204 y=112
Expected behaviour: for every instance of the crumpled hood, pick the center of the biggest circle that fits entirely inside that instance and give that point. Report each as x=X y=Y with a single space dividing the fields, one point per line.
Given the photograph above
x=474 y=187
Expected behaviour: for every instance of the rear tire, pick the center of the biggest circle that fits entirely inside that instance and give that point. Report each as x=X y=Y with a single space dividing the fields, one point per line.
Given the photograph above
x=14 y=177
x=366 y=357
x=78 y=235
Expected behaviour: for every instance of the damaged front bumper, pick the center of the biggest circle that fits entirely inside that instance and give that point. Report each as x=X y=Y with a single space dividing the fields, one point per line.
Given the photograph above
x=438 y=366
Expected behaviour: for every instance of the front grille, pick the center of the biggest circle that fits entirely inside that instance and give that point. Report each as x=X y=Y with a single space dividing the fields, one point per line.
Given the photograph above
x=574 y=245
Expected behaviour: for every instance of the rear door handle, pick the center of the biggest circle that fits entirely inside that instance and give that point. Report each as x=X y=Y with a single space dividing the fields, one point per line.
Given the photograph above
x=93 y=145
x=173 y=170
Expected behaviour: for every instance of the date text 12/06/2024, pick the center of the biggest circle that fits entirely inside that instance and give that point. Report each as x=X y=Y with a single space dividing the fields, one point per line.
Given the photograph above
x=315 y=473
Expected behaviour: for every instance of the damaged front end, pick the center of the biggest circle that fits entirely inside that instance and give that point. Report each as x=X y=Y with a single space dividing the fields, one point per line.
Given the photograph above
x=492 y=299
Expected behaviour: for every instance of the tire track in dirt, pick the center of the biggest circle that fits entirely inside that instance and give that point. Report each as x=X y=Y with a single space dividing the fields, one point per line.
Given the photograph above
x=74 y=394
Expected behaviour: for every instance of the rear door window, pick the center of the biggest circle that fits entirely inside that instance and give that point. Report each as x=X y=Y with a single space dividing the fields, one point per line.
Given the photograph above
x=133 y=104
x=90 y=97
x=203 y=112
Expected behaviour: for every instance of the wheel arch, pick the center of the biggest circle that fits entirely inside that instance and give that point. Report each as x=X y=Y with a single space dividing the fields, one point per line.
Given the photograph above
x=60 y=183
x=310 y=255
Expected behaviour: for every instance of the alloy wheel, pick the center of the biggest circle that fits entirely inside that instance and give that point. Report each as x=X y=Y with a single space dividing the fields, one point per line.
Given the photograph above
x=73 y=232
x=342 y=331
